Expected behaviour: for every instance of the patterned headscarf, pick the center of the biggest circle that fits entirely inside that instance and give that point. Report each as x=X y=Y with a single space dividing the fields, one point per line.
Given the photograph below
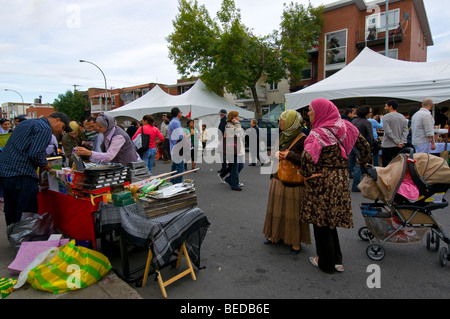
x=292 y=127
x=106 y=121
x=75 y=127
x=327 y=115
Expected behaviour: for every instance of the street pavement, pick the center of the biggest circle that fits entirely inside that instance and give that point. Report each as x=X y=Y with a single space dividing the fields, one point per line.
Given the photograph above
x=236 y=264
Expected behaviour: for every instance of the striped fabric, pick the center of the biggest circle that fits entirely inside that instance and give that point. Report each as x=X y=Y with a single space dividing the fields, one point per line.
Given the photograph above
x=74 y=267
x=163 y=234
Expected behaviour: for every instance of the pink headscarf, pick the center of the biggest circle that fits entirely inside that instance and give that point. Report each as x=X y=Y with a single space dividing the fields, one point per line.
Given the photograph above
x=327 y=115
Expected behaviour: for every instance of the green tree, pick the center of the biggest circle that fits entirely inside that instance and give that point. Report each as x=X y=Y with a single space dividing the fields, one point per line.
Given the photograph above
x=73 y=104
x=300 y=30
x=228 y=56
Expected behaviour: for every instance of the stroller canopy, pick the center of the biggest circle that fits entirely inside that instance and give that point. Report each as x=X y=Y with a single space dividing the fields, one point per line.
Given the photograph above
x=433 y=169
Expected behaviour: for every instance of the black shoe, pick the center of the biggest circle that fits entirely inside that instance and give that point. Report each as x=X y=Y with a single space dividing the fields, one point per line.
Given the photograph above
x=295 y=251
x=253 y=164
x=237 y=189
x=267 y=241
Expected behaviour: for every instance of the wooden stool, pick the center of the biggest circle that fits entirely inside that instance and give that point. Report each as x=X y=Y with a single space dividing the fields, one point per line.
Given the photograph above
x=163 y=284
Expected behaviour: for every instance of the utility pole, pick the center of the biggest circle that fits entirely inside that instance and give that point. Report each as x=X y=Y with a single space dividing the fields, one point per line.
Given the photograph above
x=386 y=44
x=75 y=87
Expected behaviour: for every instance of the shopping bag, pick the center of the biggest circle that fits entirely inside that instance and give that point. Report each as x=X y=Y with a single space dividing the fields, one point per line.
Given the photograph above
x=137 y=142
x=74 y=267
x=6 y=286
x=32 y=227
x=141 y=142
x=28 y=252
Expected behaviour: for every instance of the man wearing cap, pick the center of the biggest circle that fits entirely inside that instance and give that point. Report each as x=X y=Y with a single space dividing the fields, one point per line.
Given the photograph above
x=223 y=122
x=24 y=152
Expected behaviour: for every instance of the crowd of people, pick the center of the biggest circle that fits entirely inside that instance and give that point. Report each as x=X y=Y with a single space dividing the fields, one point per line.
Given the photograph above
x=97 y=139
x=330 y=152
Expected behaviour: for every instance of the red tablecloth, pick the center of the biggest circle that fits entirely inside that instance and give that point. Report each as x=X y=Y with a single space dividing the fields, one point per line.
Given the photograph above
x=72 y=216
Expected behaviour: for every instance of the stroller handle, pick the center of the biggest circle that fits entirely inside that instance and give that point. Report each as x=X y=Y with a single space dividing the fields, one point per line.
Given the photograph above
x=408 y=150
x=370 y=171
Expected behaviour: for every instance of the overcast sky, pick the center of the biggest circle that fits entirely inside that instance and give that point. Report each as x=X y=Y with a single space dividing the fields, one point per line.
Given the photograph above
x=42 y=41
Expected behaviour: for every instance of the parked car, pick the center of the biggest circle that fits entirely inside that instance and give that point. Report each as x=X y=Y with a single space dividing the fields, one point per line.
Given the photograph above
x=261 y=124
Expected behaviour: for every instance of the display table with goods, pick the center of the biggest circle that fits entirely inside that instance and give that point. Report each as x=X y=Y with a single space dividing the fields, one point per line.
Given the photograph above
x=72 y=197
x=128 y=206
x=165 y=221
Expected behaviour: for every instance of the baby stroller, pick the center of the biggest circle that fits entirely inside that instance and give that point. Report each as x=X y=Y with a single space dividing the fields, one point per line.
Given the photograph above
x=406 y=193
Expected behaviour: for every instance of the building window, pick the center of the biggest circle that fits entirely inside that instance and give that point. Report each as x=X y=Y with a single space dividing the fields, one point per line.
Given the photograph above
x=394 y=19
x=273 y=86
x=335 y=51
x=378 y=20
x=307 y=72
x=391 y=53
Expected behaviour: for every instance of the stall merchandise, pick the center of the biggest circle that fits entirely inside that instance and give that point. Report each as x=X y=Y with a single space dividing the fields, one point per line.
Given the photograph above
x=138 y=171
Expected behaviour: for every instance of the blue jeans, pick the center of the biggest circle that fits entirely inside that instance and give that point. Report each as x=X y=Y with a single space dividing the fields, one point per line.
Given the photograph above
x=149 y=158
x=352 y=160
x=357 y=176
x=20 y=196
x=179 y=167
x=233 y=178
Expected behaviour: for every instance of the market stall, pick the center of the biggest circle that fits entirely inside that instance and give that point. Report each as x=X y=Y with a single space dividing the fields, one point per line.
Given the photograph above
x=94 y=201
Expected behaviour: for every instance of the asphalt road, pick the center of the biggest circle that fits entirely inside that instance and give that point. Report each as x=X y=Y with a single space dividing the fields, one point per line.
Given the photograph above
x=238 y=265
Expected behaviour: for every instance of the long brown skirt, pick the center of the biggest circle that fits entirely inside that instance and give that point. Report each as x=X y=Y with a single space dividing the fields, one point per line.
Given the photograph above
x=283 y=215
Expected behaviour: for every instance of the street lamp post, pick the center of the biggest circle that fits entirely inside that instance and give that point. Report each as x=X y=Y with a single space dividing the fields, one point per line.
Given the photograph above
x=386 y=43
x=106 y=87
x=23 y=106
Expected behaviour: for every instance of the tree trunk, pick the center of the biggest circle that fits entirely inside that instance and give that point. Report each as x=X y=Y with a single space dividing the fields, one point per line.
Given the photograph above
x=258 y=112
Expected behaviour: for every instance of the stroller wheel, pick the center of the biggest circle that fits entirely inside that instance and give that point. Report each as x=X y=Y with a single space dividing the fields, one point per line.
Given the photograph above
x=443 y=256
x=433 y=239
x=365 y=234
x=375 y=252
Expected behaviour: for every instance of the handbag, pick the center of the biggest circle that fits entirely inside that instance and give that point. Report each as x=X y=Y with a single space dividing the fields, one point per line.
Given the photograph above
x=141 y=141
x=288 y=172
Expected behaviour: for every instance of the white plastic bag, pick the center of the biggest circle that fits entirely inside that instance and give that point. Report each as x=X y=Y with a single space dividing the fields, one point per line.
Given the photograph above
x=42 y=258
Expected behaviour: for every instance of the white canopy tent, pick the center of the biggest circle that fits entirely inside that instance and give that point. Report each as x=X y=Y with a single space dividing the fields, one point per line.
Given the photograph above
x=198 y=100
x=374 y=75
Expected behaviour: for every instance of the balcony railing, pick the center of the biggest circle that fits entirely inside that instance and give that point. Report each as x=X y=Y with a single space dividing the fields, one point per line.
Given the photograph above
x=377 y=36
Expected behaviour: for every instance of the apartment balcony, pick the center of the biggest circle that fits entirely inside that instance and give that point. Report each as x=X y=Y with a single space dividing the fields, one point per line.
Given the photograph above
x=377 y=36
x=97 y=108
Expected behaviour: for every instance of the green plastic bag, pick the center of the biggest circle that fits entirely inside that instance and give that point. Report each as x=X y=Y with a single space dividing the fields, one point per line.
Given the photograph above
x=7 y=286
x=74 y=267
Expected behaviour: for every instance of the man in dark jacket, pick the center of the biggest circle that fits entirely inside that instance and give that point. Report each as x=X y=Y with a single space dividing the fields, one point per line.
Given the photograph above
x=364 y=127
x=24 y=152
x=133 y=128
x=223 y=122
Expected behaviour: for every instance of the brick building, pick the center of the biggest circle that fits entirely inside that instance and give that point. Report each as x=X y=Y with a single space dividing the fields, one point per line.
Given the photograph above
x=120 y=97
x=351 y=25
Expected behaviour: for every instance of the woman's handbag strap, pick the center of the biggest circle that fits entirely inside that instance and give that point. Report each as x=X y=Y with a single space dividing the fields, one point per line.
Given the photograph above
x=296 y=140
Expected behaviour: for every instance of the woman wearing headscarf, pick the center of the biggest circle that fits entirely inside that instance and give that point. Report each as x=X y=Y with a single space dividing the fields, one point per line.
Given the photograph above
x=71 y=140
x=116 y=146
x=283 y=208
x=327 y=201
